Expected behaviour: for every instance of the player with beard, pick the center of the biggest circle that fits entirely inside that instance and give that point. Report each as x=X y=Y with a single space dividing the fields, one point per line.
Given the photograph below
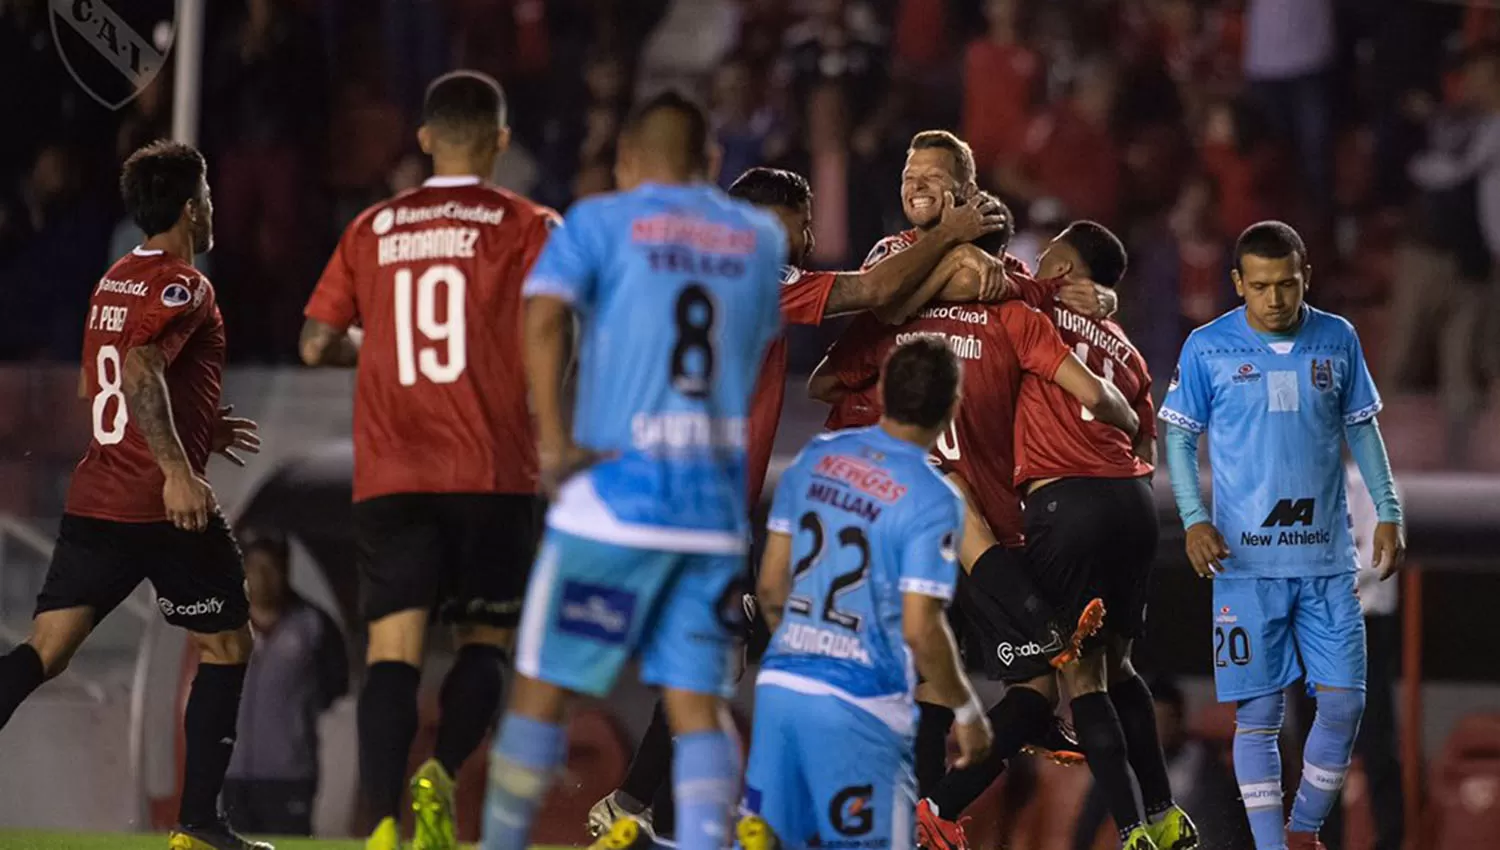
x=1023 y=635
x=807 y=298
x=139 y=506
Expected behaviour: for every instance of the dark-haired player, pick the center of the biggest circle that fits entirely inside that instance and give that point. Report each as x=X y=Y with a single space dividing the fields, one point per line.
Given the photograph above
x=873 y=531
x=1278 y=385
x=806 y=298
x=1091 y=532
x=446 y=509
x=139 y=506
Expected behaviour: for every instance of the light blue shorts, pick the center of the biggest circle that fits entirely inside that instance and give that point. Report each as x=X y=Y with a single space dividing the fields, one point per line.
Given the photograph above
x=1271 y=632
x=591 y=607
x=823 y=769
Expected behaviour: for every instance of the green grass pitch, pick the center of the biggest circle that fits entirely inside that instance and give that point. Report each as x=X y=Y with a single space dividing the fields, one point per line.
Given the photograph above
x=24 y=840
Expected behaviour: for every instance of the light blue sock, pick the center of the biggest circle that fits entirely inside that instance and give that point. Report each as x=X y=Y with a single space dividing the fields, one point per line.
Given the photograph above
x=706 y=781
x=523 y=761
x=1257 y=767
x=1325 y=758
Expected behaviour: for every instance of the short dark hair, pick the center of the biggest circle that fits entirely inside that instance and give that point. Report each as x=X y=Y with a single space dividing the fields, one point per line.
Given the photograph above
x=695 y=130
x=998 y=242
x=464 y=105
x=772 y=187
x=157 y=180
x=1099 y=248
x=1271 y=240
x=921 y=381
x=963 y=155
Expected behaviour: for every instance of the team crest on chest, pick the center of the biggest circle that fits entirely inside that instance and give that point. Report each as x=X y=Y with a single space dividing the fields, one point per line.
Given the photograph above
x=1322 y=375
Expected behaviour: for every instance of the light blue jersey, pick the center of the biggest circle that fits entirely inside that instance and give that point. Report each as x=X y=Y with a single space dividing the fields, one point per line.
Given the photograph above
x=870 y=520
x=676 y=288
x=1275 y=414
x=831 y=755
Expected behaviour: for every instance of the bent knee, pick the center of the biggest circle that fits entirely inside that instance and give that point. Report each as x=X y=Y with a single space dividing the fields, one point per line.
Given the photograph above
x=232 y=647
x=1262 y=714
x=1340 y=705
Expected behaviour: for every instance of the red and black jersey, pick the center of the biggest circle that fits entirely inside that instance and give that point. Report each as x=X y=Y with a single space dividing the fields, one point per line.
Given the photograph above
x=434 y=277
x=146 y=298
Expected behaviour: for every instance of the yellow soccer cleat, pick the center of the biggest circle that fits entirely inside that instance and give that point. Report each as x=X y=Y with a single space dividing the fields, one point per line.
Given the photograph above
x=755 y=834
x=387 y=836
x=627 y=833
x=1139 y=839
x=216 y=836
x=1175 y=831
x=432 y=805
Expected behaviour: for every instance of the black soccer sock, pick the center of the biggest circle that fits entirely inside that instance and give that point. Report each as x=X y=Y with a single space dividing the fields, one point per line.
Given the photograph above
x=469 y=702
x=208 y=725
x=1137 y=712
x=387 y=727
x=933 y=723
x=1022 y=716
x=651 y=768
x=1103 y=742
x=20 y=673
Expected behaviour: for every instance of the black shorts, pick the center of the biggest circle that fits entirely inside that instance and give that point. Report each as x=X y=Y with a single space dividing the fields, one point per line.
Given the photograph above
x=1007 y=622
x=465 y=557
x=1094 y=537
x=198 y=576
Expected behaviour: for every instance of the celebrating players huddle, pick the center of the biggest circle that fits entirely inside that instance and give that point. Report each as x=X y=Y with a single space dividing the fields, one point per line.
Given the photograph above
x=991 y=443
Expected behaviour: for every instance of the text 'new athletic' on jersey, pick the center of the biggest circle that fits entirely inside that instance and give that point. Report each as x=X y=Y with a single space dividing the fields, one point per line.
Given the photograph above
x=1275 y=414
x=434 y=276
x=676 y=288
x=870 y=520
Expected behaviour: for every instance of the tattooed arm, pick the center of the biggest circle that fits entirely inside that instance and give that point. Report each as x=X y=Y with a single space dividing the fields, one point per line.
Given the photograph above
x=188 y=498
x=324 y=345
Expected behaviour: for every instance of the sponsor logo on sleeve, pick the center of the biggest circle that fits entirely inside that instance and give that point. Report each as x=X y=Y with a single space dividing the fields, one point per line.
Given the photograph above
x=383 y=221
x=176 y=295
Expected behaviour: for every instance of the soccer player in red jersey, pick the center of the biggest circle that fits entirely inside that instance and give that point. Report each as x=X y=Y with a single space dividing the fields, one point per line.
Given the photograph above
x=446 y=509
x=807 y=298
x=1091 y=529
x=140 y=506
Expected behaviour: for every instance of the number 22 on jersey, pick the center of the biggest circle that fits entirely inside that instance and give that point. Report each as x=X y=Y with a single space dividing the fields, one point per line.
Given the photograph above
x=417 y=312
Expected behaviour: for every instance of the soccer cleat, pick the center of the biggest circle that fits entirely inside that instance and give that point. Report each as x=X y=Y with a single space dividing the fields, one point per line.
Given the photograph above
x=432 y=807
x=1303 y=841
x=1138 y=839
x=934 y=833
x=627 y=833
x=387 y=836
x=214 y=836
x=1175 y=830
x=610 y=809
x=1059 y=746
x=755 y=834
x=1089 y=622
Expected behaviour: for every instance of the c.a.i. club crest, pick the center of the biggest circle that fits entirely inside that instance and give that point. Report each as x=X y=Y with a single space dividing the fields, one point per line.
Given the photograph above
x=1322 y=375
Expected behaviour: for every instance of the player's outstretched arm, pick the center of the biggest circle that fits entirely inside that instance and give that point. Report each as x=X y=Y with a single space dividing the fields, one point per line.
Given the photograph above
x=774 y=583
x=1368 y=448
x=1205 y=545
x=925 y=628
x=188 y=498
x=322 y=344
x=1098 y=396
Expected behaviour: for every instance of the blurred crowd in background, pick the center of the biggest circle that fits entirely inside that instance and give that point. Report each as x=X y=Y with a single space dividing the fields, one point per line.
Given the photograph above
x=1373 y=125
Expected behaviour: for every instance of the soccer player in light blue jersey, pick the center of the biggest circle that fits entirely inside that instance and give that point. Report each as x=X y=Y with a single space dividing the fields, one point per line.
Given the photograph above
x=860 y=564
x=675 y=288
x=1279 y=387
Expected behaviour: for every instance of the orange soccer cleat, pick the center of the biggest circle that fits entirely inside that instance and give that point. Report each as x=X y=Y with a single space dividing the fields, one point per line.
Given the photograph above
x=934 y=833
x=1089 y=623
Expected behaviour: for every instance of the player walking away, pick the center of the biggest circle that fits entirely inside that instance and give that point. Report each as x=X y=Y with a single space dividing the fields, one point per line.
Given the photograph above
x=1274 y=384
x=1023 y=635
x=1091 y=531
x=874 y=532
x=646 y=537
x=140 y=506
x=806 y=297
x=446 y=509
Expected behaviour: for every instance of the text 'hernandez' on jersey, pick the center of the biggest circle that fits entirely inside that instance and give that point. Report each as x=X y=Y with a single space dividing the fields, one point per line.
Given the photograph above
x=870 y=520
x=676 y=288
x=1275 y=413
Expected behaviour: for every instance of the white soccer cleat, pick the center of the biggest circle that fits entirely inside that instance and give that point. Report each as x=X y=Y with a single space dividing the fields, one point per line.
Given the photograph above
x=607 y=811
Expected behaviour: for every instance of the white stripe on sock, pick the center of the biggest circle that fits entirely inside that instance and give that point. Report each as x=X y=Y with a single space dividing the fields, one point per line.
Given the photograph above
x=1322 y=778
x=1261 y=795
